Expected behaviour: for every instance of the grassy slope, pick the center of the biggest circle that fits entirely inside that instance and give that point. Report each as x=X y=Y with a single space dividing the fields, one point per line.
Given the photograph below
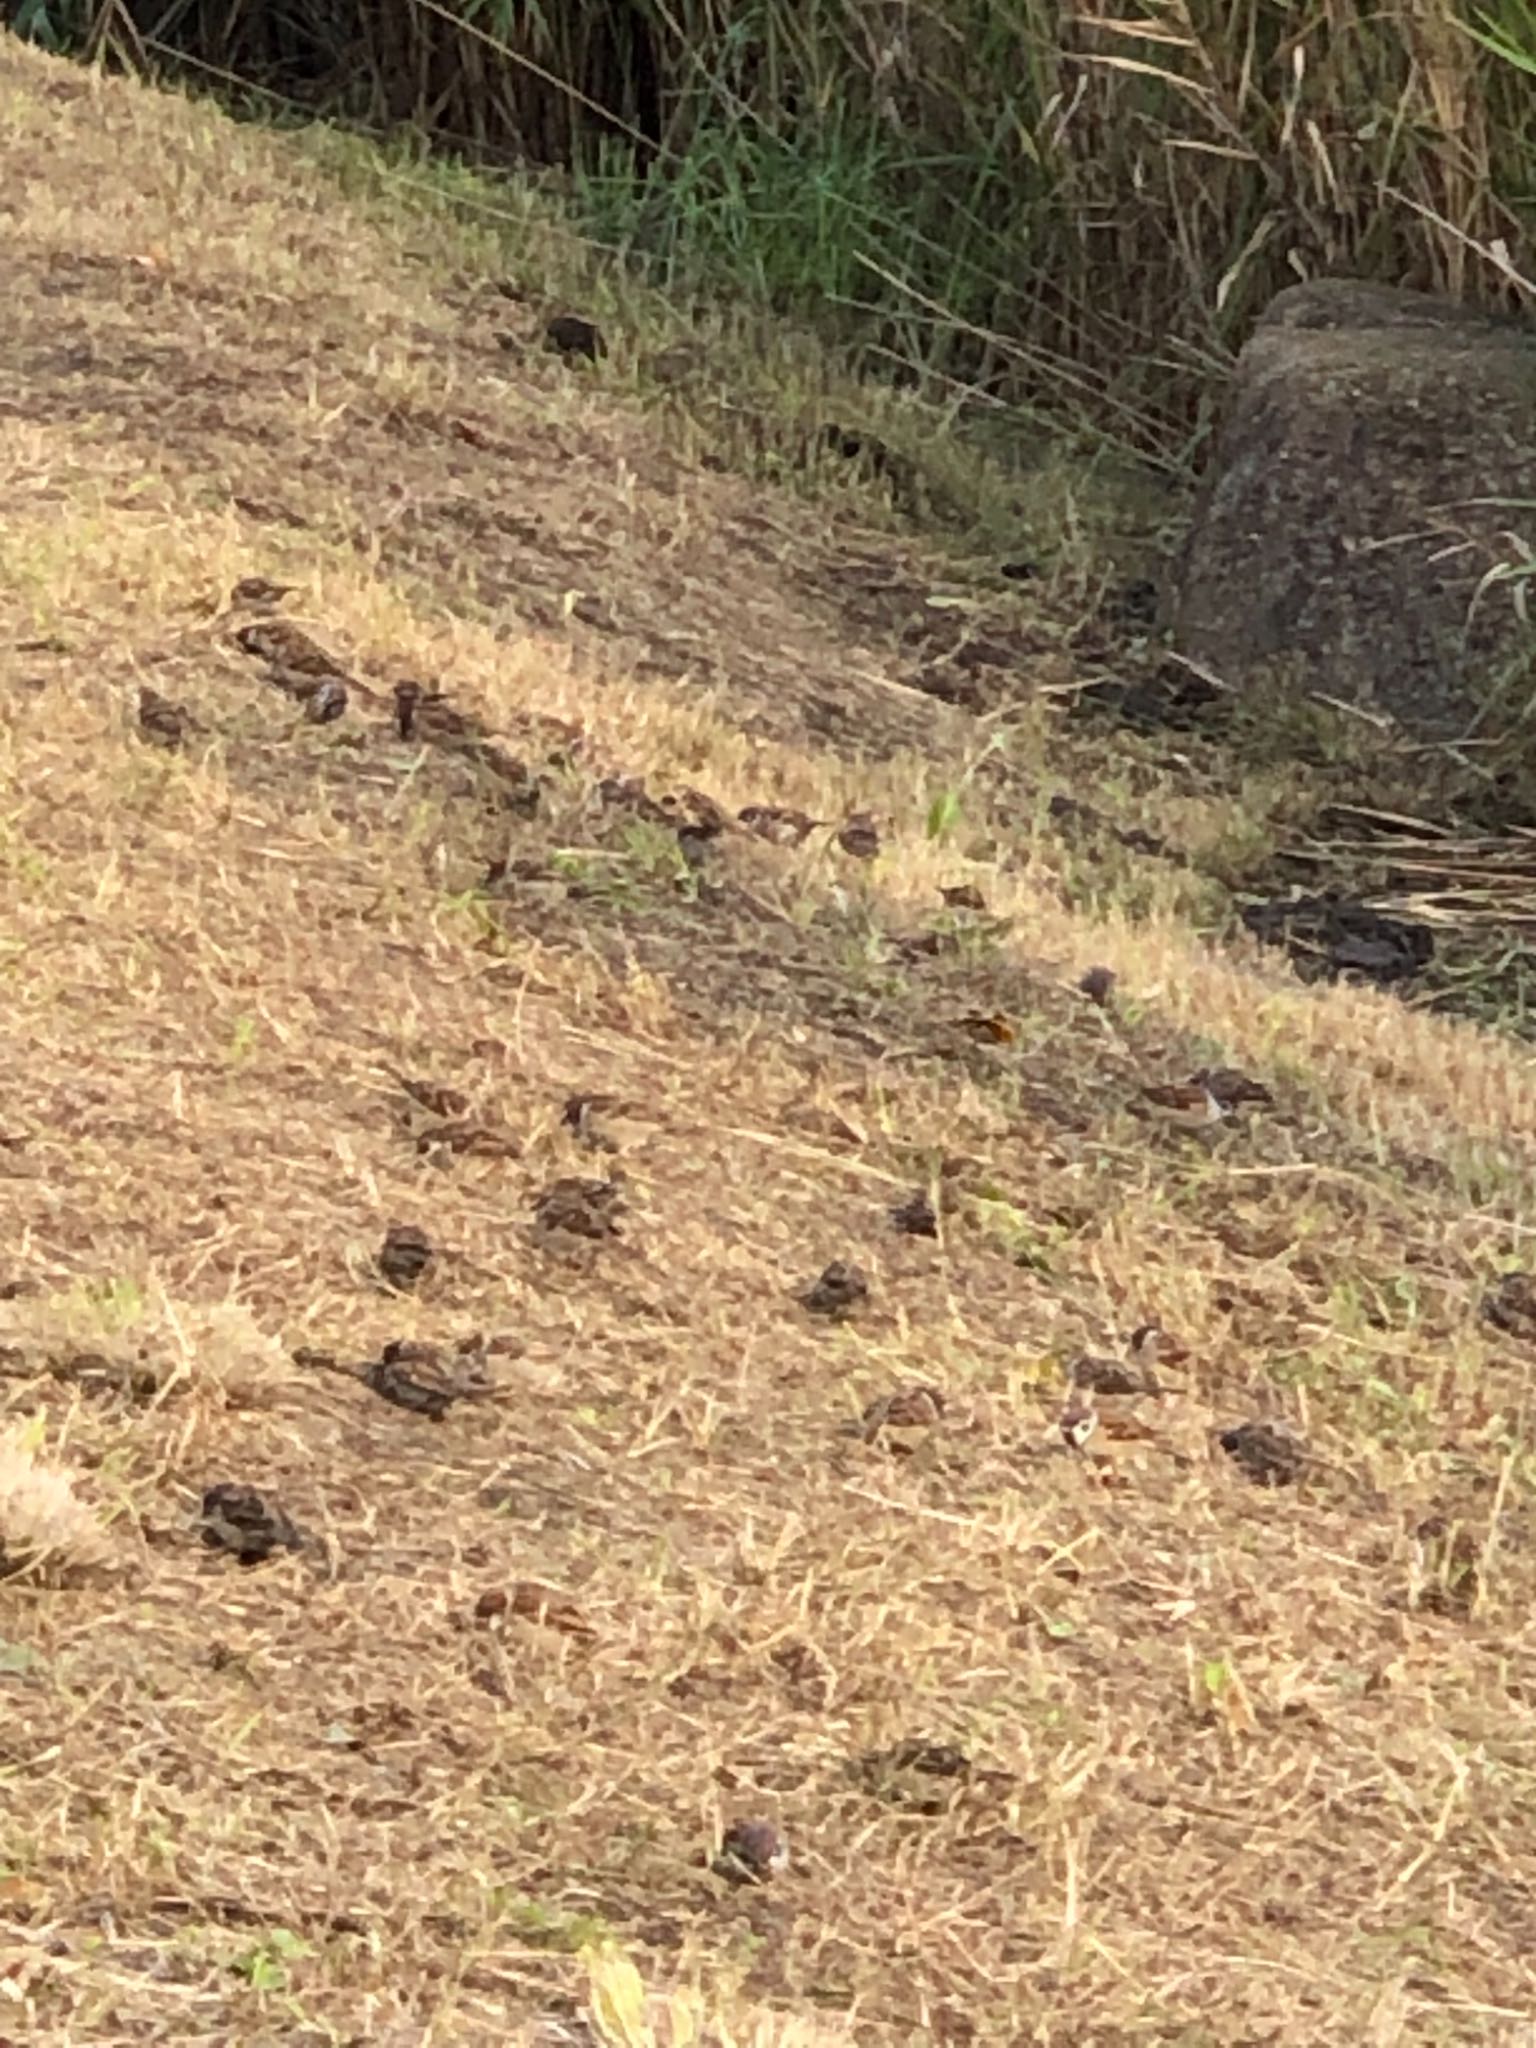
x=1247 y=1765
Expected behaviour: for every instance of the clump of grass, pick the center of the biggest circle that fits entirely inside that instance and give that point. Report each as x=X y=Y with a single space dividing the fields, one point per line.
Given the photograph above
x=46 y=1530
x=147 y=1342
x=624 y=2013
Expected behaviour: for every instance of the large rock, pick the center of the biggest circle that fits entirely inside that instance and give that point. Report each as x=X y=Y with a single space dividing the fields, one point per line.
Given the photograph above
x=1338 y=546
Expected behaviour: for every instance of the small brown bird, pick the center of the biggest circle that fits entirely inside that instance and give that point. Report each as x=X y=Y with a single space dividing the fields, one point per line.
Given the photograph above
x=916 y=1774
x=751 y=1852
x=1184 y=1105
x=429 y=715
x=1232 y=1088
x=964 y=896
x=161 y=722
x=933 y=1759
x=436 y=1097
x=916 y=1217
x=836 y=1293
x=694 y=843
x=580 y=1109
x=326 y=702
x=859 y=836
x=465 y=1139
x=1111 y=1376
x=239 y=1519
x=777 y=824
x=541 y=1605
x=629 y=793
x=1151 y=1346
x=909 y=1409
x=407 y=702
x=1098 y=985
x=568 y=334
x=575 y=1207
x=260 y=590
x=694 y=807
x=585 y=1115
x=676 y=364
x=1449 y=1560
x=419 y=1378
x=1510 y=1305
x=1146 y=1348
x=1270 y=1453
x=991 y=1028
x=1078 y=1421
x=286 y=648
x=405 y=1255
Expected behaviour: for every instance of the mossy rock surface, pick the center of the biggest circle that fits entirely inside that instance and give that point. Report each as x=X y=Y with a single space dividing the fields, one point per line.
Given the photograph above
x=1377 y=462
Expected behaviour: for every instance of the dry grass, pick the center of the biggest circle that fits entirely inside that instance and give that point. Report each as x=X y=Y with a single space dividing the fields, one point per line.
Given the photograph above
x=1023 y=205
x=1245 y=1764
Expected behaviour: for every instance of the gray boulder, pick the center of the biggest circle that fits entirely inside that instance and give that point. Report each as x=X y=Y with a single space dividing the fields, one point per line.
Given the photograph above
x=1339 y=546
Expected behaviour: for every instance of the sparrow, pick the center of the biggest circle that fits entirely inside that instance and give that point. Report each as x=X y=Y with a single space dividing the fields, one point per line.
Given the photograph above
x=519 y=791
x=916 y=1774
x=419 y=1378
x=1098 y=985
x=836 y=1293
x=964 y=896
x=238 y=1519
x=161 y=722
x=465 y=1139
x=693 y=843
x=1151 y=1346
x=430 y=716
x=575 y=1207
x=990 y=1029
x=580 y=1115
x=568 y=334
x=1184 y=1105
x=1231 y=1087
x=326 y=702
x=933 y=1759
x=751 y=1852
x=284 y=647
x=916 y=1217
x=1090 y=1375
x=677 y=363
x=1077 y=1423
x=778 y=825
x=1449 y=1560
x=909 y=1408
x=260 y=590
x=435 y=1096
x=427 y=713
x=404 y=1255
x=407 y=700
x=1270 y=1453
x=859 y=836
x=539 y=1604
x=629 y=793
x=694 y=811
x=1510 y=1305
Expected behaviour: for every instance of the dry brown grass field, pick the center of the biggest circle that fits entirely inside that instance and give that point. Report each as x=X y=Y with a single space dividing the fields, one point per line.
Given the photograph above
x=1110 y=1743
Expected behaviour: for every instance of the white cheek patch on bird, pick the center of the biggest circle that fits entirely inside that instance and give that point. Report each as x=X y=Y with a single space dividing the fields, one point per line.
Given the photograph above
x=1077 y=1424
x=1184 y=1106
x=751 y=1852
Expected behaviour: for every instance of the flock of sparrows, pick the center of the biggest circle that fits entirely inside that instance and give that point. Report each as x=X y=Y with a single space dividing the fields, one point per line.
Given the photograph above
x=1099 y=1389
x=419 y=1377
